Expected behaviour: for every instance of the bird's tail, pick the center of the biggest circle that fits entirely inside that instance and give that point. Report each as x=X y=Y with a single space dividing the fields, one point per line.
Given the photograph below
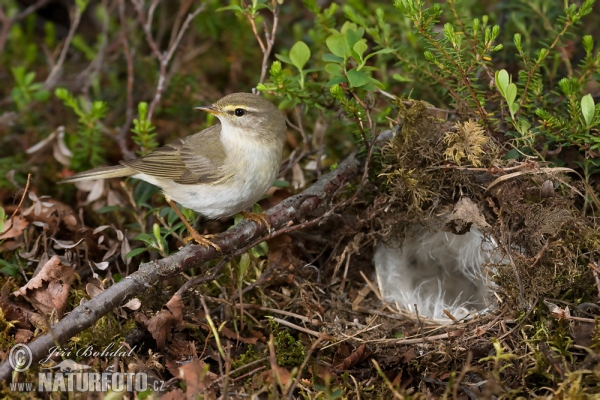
x=116 y=171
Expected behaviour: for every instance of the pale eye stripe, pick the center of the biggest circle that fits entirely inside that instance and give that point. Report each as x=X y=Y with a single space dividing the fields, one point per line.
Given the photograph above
x=233 y=107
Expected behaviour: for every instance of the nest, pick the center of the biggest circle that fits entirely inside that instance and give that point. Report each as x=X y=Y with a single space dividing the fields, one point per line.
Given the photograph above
x=445 y=179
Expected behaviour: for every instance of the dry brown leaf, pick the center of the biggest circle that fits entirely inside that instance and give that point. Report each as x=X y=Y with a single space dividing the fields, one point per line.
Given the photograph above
x=133 y=304
x=358 y=356
x=228 y=333
x=92 y=290
x=197 y=379
x=465 y=214
x=271 y=376
x=342 y=352
x=23 y=335
x=161 y=324
x=14 y=312
x=14 y=227
x=49 y=289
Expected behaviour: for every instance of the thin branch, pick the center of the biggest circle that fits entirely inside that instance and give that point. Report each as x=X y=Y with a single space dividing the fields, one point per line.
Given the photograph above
x=14 y=214
x=266 y=46
x=57 y=70
x=7 y=23
x=163 y=58
x=121 y=136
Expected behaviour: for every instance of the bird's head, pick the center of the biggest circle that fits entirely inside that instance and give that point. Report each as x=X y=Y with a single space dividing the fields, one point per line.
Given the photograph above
x=250 y=115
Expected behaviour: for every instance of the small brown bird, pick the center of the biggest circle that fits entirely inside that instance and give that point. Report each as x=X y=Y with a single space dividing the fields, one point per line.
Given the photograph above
x=219 y=171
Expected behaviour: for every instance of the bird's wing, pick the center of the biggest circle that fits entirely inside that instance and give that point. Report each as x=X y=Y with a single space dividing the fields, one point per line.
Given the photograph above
x=195 y=159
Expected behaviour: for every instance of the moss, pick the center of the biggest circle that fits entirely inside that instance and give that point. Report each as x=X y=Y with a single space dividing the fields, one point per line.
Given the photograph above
x=289 y=351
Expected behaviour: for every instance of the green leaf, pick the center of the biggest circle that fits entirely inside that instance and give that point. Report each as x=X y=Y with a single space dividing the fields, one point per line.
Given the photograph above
x=353 y=36
x=332 y=58
x=299 y=55
x=357 y=78
x=337 y=45
x=401 y=78
x=135 y=252
x=360 y=47
x=588 y=109
x=233 y=7
x=61 y=93
x=156 y=231
x=146 y=238
x=334 y=69
x=502 y=81
x=106 y=209
x=281 y=183
x=336 y=80
x=283 y=58
x=382 y=51
x=511 y=93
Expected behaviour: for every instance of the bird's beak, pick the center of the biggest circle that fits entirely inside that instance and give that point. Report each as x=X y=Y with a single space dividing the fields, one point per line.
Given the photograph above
x=210 y=109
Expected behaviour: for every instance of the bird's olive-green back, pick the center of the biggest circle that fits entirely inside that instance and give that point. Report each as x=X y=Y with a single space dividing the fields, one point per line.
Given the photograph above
x=191 y=160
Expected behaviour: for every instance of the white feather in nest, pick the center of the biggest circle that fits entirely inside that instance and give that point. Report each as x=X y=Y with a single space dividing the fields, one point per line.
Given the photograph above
x=437 y=271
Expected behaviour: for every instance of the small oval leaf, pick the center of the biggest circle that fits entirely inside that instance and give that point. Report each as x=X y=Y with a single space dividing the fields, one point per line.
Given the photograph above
x=357 y=78
x=588 y=109
x=337 y=45
x=299 y=55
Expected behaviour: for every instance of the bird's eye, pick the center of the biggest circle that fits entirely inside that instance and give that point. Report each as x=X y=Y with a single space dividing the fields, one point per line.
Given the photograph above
x=239 y=112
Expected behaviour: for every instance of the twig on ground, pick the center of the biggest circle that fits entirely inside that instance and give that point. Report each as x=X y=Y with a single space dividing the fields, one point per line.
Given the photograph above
x=302 y=329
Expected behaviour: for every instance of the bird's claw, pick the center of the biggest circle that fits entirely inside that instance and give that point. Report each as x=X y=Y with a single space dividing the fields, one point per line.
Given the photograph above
x=201 y=240
x=258 y=218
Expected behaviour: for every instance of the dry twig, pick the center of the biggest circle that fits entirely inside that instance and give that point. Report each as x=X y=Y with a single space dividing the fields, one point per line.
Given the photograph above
x=163 y=57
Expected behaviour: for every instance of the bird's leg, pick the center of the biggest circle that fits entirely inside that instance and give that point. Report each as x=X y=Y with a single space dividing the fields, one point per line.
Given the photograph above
x=194 y=235
x=260 y=218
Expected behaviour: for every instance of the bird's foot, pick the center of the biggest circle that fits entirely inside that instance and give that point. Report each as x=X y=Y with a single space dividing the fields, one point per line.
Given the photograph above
x=258 y=218
x=201 y=239
x=194 y=235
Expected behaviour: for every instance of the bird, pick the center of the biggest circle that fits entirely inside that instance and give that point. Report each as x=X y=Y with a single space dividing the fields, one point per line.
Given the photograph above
x=219 y=171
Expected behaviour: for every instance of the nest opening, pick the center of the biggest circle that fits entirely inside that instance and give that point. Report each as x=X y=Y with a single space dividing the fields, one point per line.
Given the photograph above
x=438 y=274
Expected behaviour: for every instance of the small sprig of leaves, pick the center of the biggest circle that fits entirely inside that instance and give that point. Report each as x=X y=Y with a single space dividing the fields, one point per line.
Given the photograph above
x=144 y=134
x=87 y=141
x=347 y=61
x=26 y=90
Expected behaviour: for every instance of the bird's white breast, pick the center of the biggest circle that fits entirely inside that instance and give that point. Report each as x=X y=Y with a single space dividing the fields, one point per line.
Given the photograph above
x=252 y=166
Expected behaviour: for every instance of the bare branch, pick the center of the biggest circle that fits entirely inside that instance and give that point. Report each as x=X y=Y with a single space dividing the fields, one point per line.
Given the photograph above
x=267 y=45
x=163 y=58
x=57 y=70
x=121 y=136
x=7 y=23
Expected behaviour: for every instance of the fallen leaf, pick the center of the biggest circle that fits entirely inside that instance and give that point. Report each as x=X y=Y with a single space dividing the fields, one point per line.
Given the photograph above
x=230 y=334
x=358 y=356
x=465 y=214
x=23 y=335
x=161 y=325
x=197 y=377
x=14 y=227
x=49 y=289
